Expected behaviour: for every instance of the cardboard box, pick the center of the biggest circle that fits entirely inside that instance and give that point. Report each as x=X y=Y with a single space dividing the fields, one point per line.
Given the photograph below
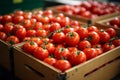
x=83 y=19
x=102 y=67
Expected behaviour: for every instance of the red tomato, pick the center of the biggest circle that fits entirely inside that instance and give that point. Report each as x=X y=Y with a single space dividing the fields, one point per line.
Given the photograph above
x=61 y=53
x=86 y=14
x=62 y=65
x=86 y=4
x=116 y=42
x=18 y=19
x=37 y=40
x=98 y=48
x=12 y=40
x=29 y=47
x=50 y=61
x=64 y=21
x=58 y=37
x=93 y=28
x=77 y=57
x=54 y=26
x=19 y=12
x=111 y=32
x=41 y=33
x=72 y=49
x=90 y=53
x=83 y=32
x=7 y=18
x=8 y=28
x=108 y=46
x=27 y=24
x=1 y=27
x=48 y=12
x=31 y=33
x=72 y=38
x=27 y=15
x=44 y=20
x=68 y=29
x=40 y=53
x=3 y=36
x=104 y=36
x=84 y=44
x=93 y=37
x=26 y=39
x=38 y=25
x=74 y=23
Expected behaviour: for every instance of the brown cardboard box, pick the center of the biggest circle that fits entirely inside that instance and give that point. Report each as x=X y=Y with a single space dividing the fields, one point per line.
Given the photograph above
x=102 y=67
x=82 y=19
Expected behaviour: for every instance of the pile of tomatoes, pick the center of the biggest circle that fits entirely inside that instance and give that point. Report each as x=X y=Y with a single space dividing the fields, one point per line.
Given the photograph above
x=90 y=9
x=114 y=22
x=56 y=39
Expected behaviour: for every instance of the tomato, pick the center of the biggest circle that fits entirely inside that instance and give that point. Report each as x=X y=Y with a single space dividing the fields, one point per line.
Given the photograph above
x=44 y=20
x=33 y=22
x=8 y=28
x=41 y=33
x=116 y=42
x=37 y=40
x=27 y=24
x=72 y=38
x=108 y=46
x=19 y=12
x=12 y=40
x=62 y=65
x=48 y=12
x=93 y=37
x=18 y=19
x=72 y=49
x=38 y=25
x=21 y=33
x=115 y=21
x=29 y=47
x=83 y=32
x=93 y=28
x=84 y=44
x=40 y=53
x=90 y=53
x=58 y=37
x=1 y=27
x=31 y=33
x=50 y=61
x=86 y=14
x=86 y=4
x=61 y=53
x=27 y=15
x=111 y=32
x=74 y=23
x=26 y=39
x=61 y=15
x=46 y=27
x=77 y=57
x=7 y=18
x=98 y=48
x=54 y=26
x=65 y=21
x=104 y=36
x=68 y=29
x=3 y=36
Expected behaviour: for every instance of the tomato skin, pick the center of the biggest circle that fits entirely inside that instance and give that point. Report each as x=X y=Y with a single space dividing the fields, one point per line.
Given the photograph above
x=104 y=36
x=3 y=36
x=108 y=46
x=8 y=28
x=61 y=53
x=7 y=18
x=54 y=26
x=116 y=42
x=93 y=28
x=58 y=37
x=18 y=19
x=98 y=48
x=38 y=25
x=111 y=32
x=44 y=20
x=1 y=27
x=29 y=47
x=68 y=29
x=77 y=57
x=90 y=53
x=93 y=37
x=12 y=40
x=72 y=49
x=72 y=38
x=83 y=32
x=84 y=44
x=31 y=33
x=37 y=40
x=62 y=65
x=40 y=53
x=50 y=61
x=65 y=21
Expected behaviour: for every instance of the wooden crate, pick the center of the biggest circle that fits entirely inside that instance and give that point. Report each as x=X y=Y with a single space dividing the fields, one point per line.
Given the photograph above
x=82 y=19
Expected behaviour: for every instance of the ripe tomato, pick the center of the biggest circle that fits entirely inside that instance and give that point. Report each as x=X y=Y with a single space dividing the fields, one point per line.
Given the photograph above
x=54 y=26
x=111 y=32
x=93 y=37
x=62 y=65
x=68 y=29
x=108 y=46
x=50 y=61
x=98 y=48
x=19 y=12
x=61 y=53
x=104 y=36
x=90 y=53
x=116 y=42
x=44 y=20
x=58 y=37
x=1 y=27
x=27 y=15
x=3 y=36
x=27 y=24
x=84 y=44
x=93 y=28
x=31 y=33
x=29 y=47
x=7 y=18
x=72 y=49
x=8 y=28
x=77 y=57
x=18 y=19
x=72 y=38
x=38 y=25
x=40 y=53
x=12 y=40
x=86 y=14
x=41 y=33
x=47 y=12
x=83 y=32
x=64 y=21
x=37 y=40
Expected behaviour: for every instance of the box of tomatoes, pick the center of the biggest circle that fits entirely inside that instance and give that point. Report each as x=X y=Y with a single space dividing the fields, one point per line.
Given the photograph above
x=88 y=11
x=85 y=53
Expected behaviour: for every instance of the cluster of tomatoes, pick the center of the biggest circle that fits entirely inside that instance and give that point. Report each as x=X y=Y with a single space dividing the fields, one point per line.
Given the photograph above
x=114 y=22
x=90 y=9
x=56 y=39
